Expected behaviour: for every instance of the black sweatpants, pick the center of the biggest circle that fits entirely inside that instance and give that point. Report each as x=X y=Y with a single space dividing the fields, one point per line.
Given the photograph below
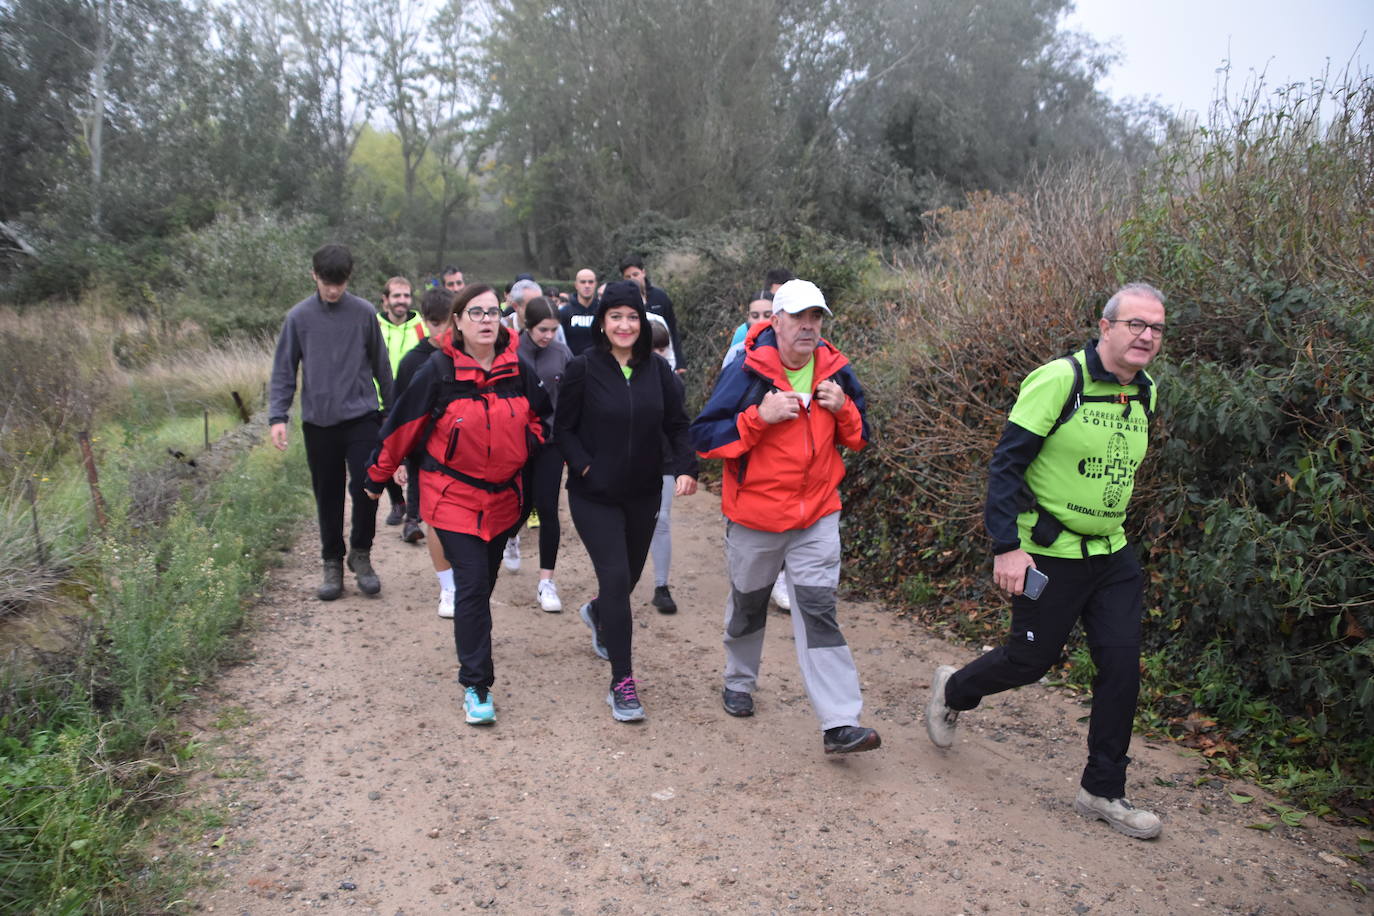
x=617 y=537
x=548 y=474
x=413 y=489
x=475 y=564
x=338 y=456
x=398 y=496
x=1106 y=593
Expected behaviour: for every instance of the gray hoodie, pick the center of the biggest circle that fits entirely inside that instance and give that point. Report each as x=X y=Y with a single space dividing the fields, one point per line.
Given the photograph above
x=339 y=350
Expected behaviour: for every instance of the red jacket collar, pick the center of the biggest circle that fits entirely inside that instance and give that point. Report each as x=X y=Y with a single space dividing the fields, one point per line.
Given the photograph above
x=761 y=355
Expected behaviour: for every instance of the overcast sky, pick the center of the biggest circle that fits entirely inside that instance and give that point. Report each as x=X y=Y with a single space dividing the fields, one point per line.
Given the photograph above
x=1172 y=49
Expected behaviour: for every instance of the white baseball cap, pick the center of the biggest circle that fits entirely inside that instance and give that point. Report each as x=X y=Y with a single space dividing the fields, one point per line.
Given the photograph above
x=797 y=296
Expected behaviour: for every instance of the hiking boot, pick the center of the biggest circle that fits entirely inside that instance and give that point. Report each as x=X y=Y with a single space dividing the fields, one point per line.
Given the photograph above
x=511 y=555
x=1118 y=812
x=413 y=531
x=547 y=593
x=780 y=596
x=397 y=513
x=737 y=702
x=533 y=520
x=663 y=600
x=624 y=701
x=478 y=709
x=851 y=739
x=590 y=620
x=360 y=561
x=940 y=719
x=332 y=586
x=446 y=603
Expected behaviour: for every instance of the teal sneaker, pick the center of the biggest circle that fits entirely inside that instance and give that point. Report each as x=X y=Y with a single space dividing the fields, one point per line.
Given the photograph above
x=478 y=707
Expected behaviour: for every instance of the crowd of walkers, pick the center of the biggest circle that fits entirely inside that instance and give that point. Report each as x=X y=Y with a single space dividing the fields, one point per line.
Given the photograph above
x=468 y=411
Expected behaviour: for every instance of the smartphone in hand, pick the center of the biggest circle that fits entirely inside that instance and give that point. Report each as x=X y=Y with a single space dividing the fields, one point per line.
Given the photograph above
x=1035 y=583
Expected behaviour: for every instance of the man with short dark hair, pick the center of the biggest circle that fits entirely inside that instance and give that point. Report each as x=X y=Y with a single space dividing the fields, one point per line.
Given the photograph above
x=1058 y=486
x=453 y=280
x=578 y=317
x=402 y=329
x=335 y=341
x=779 y=417
x=656 y=302
x=776 y=277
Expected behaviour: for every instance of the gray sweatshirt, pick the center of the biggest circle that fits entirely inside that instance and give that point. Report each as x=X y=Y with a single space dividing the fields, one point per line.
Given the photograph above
x=339 y=350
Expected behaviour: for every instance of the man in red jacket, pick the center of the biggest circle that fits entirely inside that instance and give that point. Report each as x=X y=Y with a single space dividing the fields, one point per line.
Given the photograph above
x=778 y=417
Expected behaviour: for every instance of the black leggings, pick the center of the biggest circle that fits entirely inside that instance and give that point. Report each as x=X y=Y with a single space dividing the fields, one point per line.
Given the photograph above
x=617 y=537
x=338 y=457
x=475 y=564
x=548 y=474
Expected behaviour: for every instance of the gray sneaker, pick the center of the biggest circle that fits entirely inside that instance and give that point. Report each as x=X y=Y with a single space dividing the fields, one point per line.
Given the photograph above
x=332 y=585
x=940 y=719
x=1121 y=814
x=360 y=561
x=586 y=613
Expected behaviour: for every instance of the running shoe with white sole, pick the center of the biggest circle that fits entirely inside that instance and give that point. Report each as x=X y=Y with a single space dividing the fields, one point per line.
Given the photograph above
x=511 y=556
x=548 y=597
x=478 y=707
x=446 y=603
x=587 y=618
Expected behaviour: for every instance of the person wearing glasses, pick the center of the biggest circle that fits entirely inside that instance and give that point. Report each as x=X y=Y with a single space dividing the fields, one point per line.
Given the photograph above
x=478 y=414
x=1058 y=486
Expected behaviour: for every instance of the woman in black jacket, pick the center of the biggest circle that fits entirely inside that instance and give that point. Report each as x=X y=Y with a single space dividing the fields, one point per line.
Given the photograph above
x=617 y=402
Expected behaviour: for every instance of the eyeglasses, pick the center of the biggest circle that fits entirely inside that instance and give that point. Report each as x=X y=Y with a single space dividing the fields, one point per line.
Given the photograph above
x=479 y=315
x=1137 y=327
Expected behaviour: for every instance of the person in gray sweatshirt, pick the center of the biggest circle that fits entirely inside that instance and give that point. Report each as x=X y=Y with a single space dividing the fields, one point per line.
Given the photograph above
x=333 y=339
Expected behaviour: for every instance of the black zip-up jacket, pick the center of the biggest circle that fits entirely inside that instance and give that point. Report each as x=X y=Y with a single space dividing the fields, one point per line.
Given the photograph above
x=579 y=324
x=410 y=364
x=613 y=428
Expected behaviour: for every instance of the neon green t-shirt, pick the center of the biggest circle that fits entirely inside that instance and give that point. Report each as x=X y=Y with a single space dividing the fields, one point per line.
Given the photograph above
x=1085 y=473
x=626 y=371
x=801 y=379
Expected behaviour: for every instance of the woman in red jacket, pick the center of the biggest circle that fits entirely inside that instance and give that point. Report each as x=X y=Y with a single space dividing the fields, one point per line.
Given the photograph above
x=477 y=415
x=618 y=406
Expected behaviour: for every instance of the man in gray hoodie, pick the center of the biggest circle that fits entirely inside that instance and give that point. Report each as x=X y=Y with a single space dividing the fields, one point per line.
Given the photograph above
x=334 y=340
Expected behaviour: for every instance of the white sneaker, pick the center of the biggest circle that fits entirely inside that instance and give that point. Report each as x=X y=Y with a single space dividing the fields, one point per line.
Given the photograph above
x=446 y=603
x=780 y=596
x=548 y=596
x=1121 y=814
x=511 y=557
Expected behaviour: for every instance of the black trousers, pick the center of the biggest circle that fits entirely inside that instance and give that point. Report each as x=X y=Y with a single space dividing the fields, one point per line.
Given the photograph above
x=338 y=457
x=475 y=564
x=548 y=474
x=398 y=496
x=1106 y=593
x=617 y=537
x=413 y=489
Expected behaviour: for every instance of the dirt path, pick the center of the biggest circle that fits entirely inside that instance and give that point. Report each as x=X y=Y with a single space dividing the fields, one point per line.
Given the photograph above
x=350 y=783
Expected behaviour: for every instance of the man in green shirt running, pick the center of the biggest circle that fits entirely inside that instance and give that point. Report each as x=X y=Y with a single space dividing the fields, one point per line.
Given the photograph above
x=1059 y=483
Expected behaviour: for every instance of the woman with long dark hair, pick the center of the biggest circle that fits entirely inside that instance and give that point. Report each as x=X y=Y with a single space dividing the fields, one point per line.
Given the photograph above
x=540 y=348
x=477 y=415
x=617 y=406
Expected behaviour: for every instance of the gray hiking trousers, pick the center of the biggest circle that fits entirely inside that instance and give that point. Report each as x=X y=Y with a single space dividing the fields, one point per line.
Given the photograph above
x=812 y=555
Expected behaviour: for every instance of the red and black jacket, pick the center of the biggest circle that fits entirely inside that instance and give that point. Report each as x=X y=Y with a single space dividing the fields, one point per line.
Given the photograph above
x=474 y=431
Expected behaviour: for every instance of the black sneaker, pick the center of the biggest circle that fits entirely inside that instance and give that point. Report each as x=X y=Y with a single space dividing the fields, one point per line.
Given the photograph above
x=850 y=739
x=737 y=702
x=396 y=515
x=588 y=614
x=663 y=600
x=412 y=532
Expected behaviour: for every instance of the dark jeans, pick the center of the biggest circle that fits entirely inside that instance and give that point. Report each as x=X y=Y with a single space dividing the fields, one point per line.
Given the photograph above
x=1105 y=592
x=413 y=489
x=548 y=474
x=617 y=537
x=338 y=456
x=475 y=563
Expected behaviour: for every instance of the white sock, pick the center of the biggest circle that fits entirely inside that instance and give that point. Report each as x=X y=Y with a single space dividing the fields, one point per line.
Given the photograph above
x=445 y=579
